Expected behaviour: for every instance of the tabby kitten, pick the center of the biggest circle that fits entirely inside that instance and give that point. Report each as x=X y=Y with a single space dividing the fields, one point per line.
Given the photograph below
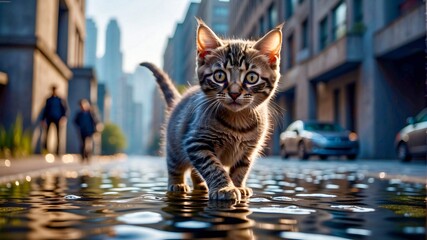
x=217 y=129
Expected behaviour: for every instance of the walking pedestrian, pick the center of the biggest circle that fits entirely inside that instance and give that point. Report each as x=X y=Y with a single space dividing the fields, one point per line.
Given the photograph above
x=86 y=122
x=55 y=112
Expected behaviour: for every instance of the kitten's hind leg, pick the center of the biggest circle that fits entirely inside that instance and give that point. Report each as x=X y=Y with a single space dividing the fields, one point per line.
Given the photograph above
x=198 y=182
x=176 y=172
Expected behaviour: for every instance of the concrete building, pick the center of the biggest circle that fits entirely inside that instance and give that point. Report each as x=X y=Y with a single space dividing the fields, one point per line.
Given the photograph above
x=189 y=26
x=358 y=63
x=41 y=43
x=173 y=56
x=83 y=85
x=103 y=103
x=112 y=70
x=179 y=59
x=215 y=14
x=90 y=43
x=144 y=85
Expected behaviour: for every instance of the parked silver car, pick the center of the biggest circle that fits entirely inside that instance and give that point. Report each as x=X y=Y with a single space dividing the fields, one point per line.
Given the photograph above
x=411 y=141
x=308 y=138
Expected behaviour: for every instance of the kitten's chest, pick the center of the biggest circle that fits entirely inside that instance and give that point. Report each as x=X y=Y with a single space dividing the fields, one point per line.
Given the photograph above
x=235 y=149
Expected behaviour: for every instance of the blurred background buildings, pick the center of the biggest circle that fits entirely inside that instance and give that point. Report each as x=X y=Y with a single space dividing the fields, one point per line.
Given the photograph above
x=354 y=62
x=359 y=63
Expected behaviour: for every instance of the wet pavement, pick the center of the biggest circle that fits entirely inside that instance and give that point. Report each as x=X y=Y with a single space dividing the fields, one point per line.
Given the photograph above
x=292 y=200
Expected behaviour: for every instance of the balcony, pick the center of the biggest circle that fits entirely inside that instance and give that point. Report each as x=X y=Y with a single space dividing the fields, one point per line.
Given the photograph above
x=403 y=36
x=338 y=58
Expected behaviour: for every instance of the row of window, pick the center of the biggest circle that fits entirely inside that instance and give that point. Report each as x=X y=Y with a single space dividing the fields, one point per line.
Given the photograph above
x=332 y=27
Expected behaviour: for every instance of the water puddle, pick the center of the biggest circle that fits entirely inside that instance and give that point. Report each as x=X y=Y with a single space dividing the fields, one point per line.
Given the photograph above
x=129 y=201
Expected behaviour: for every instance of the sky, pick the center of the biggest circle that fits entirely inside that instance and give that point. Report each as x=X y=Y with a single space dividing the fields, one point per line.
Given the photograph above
x=145 y=26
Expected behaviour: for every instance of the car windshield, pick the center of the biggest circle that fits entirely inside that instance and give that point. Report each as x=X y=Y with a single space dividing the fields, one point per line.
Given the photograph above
x=322 y=127
x=422 y=116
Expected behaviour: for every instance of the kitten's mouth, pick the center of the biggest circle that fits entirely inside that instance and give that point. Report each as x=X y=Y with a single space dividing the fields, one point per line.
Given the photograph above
x=235 y=106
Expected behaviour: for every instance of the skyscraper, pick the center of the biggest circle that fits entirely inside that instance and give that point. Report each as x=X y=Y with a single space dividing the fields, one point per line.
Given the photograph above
x=112 y=69
x=91 y=43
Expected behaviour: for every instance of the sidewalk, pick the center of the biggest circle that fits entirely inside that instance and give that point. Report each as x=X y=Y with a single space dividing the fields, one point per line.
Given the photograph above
x=34 y=165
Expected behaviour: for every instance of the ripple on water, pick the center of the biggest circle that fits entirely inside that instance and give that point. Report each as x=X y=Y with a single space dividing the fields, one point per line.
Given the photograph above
x=316 y=195
x=124 y=189
x=140 y=218
x=136 y=232
x=353 y=208
x=192 y=224
x=294 y=210
x=361 y=186
x=259 y=200
x=285 y=199
x=72 y=197
x=332 y=186
x=358 y=231
x=311 y=236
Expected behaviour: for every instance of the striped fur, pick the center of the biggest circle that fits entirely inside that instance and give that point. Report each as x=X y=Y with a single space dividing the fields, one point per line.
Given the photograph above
x=218 y=128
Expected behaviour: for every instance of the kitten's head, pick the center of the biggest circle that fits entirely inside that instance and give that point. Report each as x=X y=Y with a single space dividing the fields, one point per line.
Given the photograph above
x=238 y=74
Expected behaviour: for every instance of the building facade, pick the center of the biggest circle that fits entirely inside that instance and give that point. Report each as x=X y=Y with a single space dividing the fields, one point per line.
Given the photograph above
x=179 y=59
x=90 y=43
x=41 y=42
x=112 y=70
x=358 y=63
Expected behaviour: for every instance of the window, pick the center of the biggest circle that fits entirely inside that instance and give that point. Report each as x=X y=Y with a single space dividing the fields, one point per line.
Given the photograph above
x=220 y=28
x=357 y=11
x=220 y=12
x=339 y=15
x=272 y=16
x=262 y=26
x=290 y=7
x=323 y=35
x=304 y=37
x=62 y=31
x=291 y=51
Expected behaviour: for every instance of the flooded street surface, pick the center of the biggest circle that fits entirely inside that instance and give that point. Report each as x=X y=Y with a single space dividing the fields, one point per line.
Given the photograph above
x=128 y=200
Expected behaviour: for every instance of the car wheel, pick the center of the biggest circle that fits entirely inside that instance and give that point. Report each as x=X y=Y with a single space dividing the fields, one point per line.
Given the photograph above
x=323 y=157
x=302 y=154
x=403 y=152
x=351 y=156
x=283 y=152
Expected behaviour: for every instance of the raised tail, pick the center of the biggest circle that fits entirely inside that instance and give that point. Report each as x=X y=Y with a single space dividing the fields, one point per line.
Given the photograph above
x=165 y=83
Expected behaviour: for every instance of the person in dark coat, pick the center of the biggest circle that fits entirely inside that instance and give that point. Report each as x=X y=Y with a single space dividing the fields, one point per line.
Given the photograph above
x=55 y=112
x=86 y=123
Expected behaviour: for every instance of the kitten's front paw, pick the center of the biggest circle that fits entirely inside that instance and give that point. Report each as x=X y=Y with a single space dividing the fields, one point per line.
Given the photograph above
x=245 y=191
x=182 y=187
x=226 y=193
x=201 y=187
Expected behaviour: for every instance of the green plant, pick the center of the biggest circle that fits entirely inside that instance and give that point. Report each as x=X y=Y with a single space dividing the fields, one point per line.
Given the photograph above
x=113 y=139
x=16 y=142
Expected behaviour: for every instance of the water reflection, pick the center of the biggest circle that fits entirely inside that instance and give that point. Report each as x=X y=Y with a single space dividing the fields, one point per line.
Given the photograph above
x=130 y=201
x=199 y=217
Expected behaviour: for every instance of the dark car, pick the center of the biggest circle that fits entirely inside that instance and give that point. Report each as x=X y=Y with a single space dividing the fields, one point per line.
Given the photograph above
x=323 y=139
x=411 y=141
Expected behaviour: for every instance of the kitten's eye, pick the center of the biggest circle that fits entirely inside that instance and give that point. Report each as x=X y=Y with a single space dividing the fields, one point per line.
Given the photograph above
x=219 y=76
x=251 y=78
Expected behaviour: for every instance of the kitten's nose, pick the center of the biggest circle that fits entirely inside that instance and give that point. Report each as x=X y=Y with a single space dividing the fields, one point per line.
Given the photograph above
x=234 y=96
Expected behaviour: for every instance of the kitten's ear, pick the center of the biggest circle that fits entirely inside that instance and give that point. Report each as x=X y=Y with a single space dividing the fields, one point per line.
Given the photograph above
x=271 y=44
x=206 y=39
